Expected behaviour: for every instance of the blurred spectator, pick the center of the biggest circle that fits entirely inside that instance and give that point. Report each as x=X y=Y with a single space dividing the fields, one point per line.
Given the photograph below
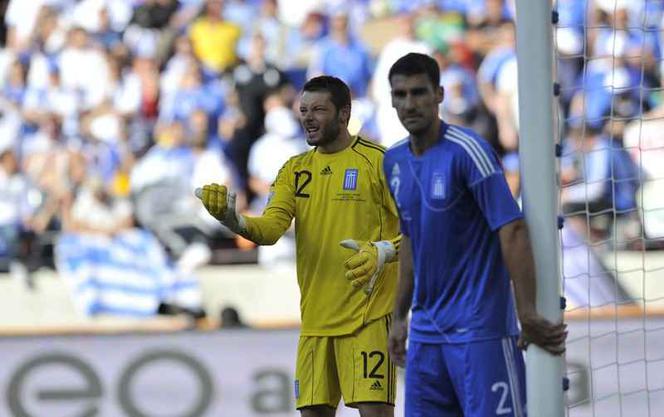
x=253 y=80
x=53 y=99
x=344 y=56
x=389 y=127
x=488 y=72
x=485 y=20
x=147 y=33
x=214 y=39
x=105 y=34
x=585 y=170
x=281 y=141
x=112 y=267
x=294 y=12
x=438 y=28
x=94 y=210
x=644 y=141
x=241 y=12
x=84 y=68
x=18 y=216
x=10 y=122
x=598 y=179
x=192 y=93
x=210 y=166
x=276 y=34
x=462 y=99
x=94 y=15
x=176 y=66
x=160 y=184
x=506 y=105
x=15 y=86
x=49 y=37
x=303 y=43
x=20 y=18
x=52 y=163
x=569 y=41
x=154 y=14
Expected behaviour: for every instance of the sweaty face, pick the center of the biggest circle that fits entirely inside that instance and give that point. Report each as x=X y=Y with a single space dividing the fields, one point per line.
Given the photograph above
x=416 y=101
x=319 y=118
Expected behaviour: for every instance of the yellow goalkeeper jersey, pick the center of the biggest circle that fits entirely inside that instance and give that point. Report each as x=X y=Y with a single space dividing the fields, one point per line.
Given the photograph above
x=332 y=197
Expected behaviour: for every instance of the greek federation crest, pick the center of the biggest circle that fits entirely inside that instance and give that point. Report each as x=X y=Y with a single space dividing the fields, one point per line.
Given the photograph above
x=437 y=186
x=350 y=179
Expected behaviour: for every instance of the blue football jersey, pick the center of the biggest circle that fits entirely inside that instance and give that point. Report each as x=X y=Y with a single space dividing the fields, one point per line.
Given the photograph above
x=452 y=200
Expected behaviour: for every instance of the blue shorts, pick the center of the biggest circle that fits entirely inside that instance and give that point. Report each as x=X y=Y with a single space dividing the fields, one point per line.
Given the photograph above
x=477 y=379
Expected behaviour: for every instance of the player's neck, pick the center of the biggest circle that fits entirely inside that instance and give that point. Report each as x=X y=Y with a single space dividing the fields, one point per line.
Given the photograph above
x=419 y=143
x=343 y=140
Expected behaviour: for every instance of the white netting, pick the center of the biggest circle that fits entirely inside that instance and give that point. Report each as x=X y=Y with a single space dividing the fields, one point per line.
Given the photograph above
x=610 y=70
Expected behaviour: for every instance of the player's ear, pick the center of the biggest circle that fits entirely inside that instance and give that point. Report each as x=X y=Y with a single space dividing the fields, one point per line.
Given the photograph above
x=344 y=115
x=440 y=94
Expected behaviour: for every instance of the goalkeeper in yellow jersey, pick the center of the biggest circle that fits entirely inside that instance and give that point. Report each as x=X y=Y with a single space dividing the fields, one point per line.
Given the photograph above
x=346 y=231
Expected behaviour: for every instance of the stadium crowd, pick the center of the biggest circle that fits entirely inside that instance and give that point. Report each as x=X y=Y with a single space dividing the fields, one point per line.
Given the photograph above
x=112 y=112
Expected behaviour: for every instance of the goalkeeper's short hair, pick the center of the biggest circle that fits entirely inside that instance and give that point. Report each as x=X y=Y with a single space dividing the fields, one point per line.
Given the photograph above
x=339 y=91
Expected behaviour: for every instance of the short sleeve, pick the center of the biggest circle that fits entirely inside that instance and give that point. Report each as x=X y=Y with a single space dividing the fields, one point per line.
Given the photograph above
x=483 y=175
x=494 y=198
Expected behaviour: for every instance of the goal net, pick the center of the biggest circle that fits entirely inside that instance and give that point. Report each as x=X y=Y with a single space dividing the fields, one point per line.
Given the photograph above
x=610 y=68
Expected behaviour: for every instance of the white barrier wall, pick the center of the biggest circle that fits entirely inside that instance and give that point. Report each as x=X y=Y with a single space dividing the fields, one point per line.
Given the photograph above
x=246 y=373
x=239 y=373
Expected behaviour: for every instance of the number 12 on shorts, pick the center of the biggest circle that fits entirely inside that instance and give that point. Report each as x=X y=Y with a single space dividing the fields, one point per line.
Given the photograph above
x=372 y=362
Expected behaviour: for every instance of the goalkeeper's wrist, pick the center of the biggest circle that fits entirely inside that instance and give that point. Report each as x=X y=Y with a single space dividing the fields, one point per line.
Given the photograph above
x=235 y=223
x=241 y=224
x=388 y=249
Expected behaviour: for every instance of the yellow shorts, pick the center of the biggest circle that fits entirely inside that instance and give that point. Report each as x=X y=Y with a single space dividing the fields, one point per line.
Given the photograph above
x=356 y=366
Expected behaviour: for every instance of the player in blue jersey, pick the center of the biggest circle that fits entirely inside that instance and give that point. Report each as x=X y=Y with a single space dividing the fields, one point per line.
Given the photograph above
x=463 y=238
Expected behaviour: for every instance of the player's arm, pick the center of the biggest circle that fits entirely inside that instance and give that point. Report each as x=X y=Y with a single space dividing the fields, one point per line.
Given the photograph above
x=486 y=182
x=402 y=303
x=263 y=230
x=268 y=228
x=517 y=253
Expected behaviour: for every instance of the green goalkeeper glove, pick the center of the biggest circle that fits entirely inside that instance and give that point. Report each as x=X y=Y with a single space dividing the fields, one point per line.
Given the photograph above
x=220 y=203
x=364 y=267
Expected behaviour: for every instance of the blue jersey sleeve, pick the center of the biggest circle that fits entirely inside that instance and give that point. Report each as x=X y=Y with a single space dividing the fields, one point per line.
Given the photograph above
x=483 y=176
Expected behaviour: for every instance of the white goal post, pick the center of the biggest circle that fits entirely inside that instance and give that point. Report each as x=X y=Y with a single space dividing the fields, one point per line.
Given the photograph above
x=544 y=372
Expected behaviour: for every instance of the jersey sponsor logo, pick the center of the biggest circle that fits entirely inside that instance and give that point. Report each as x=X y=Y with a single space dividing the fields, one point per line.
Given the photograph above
x=437 y=186
x=326 y=171
x=350 y=179
x=376 y=386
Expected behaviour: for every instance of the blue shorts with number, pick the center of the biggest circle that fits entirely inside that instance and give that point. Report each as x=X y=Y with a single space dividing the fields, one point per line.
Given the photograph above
x=477 y=379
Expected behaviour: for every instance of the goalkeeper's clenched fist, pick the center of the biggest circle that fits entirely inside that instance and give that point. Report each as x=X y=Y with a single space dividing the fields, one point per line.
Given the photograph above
x=364 y=267
x=220 y=203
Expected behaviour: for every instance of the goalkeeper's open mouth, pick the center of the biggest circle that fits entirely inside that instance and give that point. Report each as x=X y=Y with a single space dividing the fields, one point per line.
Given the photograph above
x=312 y=131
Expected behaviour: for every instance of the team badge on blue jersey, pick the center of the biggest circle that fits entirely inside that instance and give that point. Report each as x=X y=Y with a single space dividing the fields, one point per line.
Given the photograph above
x=437 y=186
x=350 y=179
